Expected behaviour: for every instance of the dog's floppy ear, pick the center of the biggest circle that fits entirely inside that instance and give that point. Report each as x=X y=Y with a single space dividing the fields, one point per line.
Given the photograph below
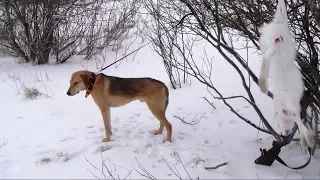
x=85 y=79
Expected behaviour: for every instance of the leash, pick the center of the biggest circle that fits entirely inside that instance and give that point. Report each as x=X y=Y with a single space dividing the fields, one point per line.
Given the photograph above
x=300 y=167
x=152 y=40
x=125 y=56
x=268 y=157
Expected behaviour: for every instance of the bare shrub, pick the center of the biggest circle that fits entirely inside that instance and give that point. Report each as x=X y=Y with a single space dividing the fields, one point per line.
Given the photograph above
x=31 y=93
x=28 y=85
x=110 y=171
x=38 y=30
x=173 y=169
x=166 y=36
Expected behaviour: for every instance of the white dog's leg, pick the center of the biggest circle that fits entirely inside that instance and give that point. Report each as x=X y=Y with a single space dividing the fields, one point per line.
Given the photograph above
x=284 y=118
x=308 y=137
x=287 y=117
x=265 y=68
x=303 y=141
x=280 y=15
x=264 y=75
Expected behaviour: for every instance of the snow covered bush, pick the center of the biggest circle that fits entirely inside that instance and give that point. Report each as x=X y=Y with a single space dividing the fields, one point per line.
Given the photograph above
x=38 y=30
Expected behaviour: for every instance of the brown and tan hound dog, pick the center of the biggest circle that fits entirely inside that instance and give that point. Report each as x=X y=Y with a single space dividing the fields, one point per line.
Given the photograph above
x=110 y=91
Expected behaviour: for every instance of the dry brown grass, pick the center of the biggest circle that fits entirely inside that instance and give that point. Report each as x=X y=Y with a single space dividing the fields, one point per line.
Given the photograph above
x=31 y=93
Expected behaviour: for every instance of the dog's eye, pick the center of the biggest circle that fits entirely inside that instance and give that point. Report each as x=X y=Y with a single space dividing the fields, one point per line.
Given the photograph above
x=75 y=83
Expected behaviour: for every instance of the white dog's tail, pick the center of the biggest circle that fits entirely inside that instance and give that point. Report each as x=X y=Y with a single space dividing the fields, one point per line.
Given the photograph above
x=281 y=13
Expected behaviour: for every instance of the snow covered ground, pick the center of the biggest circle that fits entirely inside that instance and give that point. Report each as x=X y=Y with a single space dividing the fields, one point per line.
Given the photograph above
x=57 y=136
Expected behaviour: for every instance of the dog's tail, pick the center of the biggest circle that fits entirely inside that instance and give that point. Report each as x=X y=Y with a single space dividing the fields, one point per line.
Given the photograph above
x=167 y=95
x=281 y=13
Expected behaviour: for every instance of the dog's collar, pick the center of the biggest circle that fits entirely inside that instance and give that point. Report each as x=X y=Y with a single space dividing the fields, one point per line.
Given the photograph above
x=91 y=83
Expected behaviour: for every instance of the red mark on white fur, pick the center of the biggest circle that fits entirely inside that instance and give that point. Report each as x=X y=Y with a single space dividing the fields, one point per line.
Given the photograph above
x=285 y=112
x=278 y=39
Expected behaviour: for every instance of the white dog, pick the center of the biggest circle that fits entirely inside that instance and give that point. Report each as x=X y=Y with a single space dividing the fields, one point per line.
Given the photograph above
x=278 y=52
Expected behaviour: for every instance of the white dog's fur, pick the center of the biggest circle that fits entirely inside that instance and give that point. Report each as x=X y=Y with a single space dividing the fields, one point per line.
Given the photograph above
x=278 y=52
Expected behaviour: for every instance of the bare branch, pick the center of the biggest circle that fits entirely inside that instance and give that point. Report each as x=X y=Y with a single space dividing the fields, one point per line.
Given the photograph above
x=195 y=120
x=216 y=167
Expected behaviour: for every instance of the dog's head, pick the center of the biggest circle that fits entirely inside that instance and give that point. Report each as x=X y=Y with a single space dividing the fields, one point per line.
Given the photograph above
x=79 y=81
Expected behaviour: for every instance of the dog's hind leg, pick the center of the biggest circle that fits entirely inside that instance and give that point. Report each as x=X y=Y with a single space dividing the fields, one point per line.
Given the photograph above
x=283 y=116
x=160 y=130
x=160 y=115
x=287 y=116
x=303 y=141
x=308 y=136
x=163 y=123
x=158 y=109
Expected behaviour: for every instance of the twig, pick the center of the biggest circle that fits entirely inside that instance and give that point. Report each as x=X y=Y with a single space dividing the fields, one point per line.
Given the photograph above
x=104 y=166
x=211 y=104
x=144 y=175
x=5 y=142
x=93 y=167
x=93 y=174
x=147 y=174
x=183 y=166
x=216 y=167
x=120 y=167
x=235 y=97
x=175 y=173
x=194 y=121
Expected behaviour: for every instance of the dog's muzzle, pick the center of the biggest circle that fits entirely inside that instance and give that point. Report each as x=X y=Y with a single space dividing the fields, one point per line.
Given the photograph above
x=69 y=93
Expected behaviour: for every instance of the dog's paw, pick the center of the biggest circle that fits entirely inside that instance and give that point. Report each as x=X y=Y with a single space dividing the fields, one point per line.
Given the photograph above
x=309 y=138
x=107 y=139
x=167 y=141
x=156 y=132
x=263 y=85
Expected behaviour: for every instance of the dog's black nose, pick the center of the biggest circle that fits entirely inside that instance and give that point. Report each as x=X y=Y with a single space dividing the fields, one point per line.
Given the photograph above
x=68 y=93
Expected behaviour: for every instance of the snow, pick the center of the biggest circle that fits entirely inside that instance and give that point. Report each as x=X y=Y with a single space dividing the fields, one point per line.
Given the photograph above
x=58 y=136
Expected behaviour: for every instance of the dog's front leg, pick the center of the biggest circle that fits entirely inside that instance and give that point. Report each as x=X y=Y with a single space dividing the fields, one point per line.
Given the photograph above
x=107 y=124
x=264 y=75
x=265 y=67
